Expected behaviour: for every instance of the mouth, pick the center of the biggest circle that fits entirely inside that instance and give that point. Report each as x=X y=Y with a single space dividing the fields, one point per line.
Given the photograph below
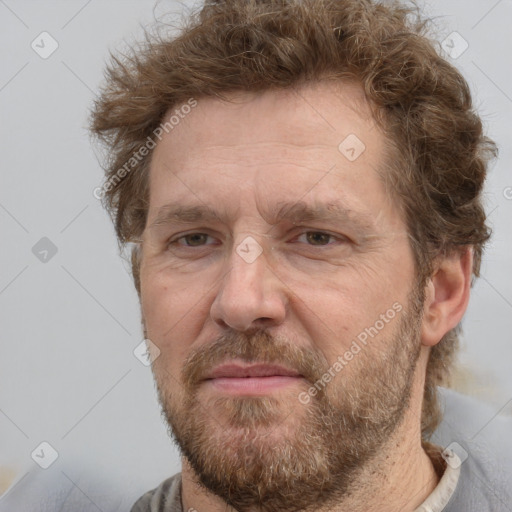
x=254 y=379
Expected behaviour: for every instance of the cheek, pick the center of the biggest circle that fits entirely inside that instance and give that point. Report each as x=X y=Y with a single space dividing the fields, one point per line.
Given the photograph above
x=349 y=308
x=171 y=314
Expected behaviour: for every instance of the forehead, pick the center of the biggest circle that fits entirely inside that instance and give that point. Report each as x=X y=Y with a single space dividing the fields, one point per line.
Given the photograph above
x=272 y=143
x=319 y=112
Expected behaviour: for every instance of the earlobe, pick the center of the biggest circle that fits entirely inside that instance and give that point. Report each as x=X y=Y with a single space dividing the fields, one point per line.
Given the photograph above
x=446 y=295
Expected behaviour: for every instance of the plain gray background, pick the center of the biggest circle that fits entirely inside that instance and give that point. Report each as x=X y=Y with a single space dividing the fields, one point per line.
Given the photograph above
x=69 y=325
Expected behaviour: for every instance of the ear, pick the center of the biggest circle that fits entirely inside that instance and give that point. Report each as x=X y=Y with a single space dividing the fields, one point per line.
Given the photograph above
x=446 y=295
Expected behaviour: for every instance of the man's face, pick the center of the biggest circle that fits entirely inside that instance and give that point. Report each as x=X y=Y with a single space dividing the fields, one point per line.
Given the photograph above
x=288 y=341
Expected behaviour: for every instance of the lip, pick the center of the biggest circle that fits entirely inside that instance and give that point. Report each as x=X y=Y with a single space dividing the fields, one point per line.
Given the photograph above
x=254 y=379
x=233 y=370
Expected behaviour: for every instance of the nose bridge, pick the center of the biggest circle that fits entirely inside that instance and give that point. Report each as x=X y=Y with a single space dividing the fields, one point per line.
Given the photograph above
x=249 y=292
x=245 y=275
x=248 y=270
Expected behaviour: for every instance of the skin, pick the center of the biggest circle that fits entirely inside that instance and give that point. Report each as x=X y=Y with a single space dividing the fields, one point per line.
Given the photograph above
x=242 y=159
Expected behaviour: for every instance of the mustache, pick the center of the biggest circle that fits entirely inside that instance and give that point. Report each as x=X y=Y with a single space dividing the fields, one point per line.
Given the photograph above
x=254 y=346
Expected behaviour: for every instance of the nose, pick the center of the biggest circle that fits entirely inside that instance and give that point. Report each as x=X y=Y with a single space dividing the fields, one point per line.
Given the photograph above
x=250 y=294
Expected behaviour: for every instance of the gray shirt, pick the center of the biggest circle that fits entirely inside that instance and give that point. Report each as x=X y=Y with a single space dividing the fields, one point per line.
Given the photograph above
x=478 y=451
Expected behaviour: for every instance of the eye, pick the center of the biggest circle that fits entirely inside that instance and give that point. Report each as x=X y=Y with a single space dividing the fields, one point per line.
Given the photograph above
x=190 y=240
x=320 y=238
x=312 y=238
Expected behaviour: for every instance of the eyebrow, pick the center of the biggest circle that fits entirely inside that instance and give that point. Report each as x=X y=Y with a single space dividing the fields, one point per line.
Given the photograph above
x=300 y=212
x=175 y=213
x=294 y=212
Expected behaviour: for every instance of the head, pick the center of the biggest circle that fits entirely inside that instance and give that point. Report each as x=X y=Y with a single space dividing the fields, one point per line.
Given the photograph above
x=225 y=142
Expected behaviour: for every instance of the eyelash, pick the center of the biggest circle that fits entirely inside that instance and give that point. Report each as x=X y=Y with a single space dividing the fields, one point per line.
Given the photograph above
x=176 y=240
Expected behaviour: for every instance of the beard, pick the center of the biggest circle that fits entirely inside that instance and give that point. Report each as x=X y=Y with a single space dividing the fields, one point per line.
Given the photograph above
x=275 y=452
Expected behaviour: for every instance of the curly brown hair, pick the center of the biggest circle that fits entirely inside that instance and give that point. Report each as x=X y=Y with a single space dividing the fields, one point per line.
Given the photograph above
x=438 y=155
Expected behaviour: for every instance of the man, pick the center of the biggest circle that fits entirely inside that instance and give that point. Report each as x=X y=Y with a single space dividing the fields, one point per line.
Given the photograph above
x=301 y=182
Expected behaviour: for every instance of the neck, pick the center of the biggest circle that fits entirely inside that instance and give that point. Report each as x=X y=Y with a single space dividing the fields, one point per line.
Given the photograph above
x=399 y=478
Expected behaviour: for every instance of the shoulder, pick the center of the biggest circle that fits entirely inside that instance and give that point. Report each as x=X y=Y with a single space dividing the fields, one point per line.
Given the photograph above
x=480 y=434
x=476 y=422
x=164 y=498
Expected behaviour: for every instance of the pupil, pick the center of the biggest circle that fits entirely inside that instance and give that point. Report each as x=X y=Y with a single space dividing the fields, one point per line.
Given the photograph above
x=321 y=237
x=197 y=237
